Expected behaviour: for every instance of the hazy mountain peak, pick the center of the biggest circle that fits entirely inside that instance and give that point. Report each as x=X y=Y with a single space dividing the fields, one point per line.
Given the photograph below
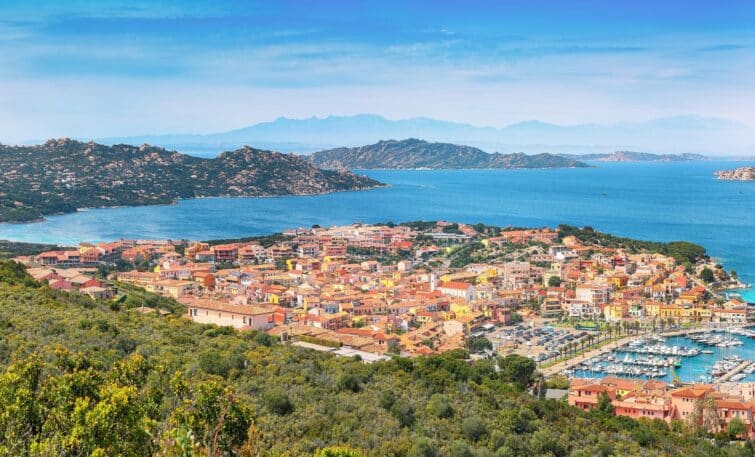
x=668 y=135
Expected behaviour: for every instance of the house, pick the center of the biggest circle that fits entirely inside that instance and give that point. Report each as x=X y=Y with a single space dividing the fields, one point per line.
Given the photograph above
x=585 y=395
x=639 y=404
x=582 y=309
x=172 y=288
x=730 y=316
x=97 y=292
x=593 y=294
x=615 y=312
x=551 y=307
x=684 y=400
x=225 y=253
x=256 y=317
x=461 y=290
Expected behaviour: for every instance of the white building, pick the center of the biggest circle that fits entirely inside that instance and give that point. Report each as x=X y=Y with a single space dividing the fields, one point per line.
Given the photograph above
x=593 y=294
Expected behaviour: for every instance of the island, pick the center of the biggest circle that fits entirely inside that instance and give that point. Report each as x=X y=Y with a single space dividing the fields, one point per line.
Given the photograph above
x=418 y=154
x=64 y=175
x=633 y=156
x=353 y=341
x=738 y=174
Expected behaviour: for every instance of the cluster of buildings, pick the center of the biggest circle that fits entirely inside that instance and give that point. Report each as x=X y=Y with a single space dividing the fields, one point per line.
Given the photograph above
x=710 y=406
x=391 y=287
x=81 y=280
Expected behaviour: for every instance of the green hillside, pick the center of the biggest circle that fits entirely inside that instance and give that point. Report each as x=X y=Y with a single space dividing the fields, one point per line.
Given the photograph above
x=81 y=378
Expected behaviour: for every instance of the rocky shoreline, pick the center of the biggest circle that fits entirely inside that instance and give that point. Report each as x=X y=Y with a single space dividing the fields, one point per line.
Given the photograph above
x=739 y=174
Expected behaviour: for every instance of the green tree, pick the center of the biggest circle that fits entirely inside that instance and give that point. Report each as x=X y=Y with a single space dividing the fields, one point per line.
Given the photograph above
x=423 y=447
x=117 y=424
x=517 y=369
x=337 y=452
x=554 y=281
x=605 y=405
x=348 y=381
x=278 y=402
x=706 y=274
x=476 y=344
x=474 y=428
x=440 y=406
x=736 y=428
x=403 y=411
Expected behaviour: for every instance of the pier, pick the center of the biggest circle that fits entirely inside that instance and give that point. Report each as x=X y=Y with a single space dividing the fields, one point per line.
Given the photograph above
x=733 y=371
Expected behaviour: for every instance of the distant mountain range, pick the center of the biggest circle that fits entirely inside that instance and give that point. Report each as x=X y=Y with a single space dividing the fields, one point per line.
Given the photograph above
x=63 y=175
x=631 y=156
x=672 y=135
x=418 y=154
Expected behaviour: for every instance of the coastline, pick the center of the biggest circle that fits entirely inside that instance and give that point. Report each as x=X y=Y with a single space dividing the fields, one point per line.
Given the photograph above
x=177 y=200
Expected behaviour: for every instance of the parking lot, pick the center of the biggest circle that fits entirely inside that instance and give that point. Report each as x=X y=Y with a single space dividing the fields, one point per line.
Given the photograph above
x=537 y=340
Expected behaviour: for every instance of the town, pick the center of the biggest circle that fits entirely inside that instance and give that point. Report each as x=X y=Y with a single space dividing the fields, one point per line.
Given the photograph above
x=421 y=288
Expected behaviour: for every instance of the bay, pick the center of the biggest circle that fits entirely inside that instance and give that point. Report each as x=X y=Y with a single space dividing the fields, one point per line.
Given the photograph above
x=653 y=201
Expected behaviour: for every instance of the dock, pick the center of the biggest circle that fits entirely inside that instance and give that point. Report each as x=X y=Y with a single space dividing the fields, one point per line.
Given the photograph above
x=744 y=364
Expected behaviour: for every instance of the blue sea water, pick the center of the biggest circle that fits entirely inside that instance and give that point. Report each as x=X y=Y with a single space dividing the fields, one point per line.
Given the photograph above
x=654 y=201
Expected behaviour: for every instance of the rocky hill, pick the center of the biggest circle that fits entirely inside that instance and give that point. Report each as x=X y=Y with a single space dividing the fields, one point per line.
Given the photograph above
x=413 y=153
x=739 y=174
x=63 y=175
x=633 y=156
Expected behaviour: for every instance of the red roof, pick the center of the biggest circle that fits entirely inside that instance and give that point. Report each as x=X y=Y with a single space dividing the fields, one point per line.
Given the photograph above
x=455 y=285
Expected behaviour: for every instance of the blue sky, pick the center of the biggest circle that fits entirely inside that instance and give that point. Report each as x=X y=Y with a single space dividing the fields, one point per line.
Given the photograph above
x=106 y=68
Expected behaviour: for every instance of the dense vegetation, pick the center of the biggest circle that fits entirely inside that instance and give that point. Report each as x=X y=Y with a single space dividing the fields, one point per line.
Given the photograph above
x=263 y=240
x=10 y=249
x=684 y=252
x=412 y=153
x=85 y=378
x=63 y=175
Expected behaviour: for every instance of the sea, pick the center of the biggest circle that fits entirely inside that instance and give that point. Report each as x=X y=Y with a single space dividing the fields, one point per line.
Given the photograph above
x=651 y=201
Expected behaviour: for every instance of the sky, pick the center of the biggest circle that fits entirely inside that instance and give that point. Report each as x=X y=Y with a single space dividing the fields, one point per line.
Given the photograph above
x=113 y=68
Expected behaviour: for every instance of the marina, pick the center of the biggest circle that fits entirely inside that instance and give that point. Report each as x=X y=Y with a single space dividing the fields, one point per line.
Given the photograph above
x=705 y=356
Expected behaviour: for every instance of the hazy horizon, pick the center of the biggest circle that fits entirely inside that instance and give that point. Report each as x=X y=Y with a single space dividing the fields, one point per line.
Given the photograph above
x=672 y=135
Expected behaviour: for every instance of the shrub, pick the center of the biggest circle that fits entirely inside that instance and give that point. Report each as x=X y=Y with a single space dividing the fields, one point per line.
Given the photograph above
x=474 y=428
x=278 y=402
x=403 y=411
x=440 y=406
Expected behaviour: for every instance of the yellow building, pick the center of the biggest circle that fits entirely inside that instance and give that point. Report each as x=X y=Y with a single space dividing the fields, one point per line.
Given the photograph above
x=615 y=312
x=460 y=309
x=619 y=281
x=671 y=311
x=652 y=309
